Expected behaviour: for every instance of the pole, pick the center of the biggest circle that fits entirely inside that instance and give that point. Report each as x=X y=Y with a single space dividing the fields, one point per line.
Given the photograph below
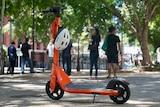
x=10 y=30
x=33 y=31
x=11 y=20
x=122 y=46
x=78 y=63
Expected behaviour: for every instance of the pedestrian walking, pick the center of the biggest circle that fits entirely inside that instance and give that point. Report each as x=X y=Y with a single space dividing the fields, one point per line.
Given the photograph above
x=94 y=53
x=66 y=58
x=113 y=51
x=12 y=57
x=50 y=53
x=25 y=57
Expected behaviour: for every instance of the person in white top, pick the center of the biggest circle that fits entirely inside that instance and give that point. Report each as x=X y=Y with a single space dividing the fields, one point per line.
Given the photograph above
x=158 y=55
x=50 y=53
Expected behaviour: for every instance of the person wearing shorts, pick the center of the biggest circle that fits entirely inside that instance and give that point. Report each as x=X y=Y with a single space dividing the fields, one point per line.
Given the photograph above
x=113 y=51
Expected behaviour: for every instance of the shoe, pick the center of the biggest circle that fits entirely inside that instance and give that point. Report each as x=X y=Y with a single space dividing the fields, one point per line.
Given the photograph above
x=115 y=77
x=32 y=72
x=108 y=76
x=22 y=73
x=90 y=78
x=95 y=77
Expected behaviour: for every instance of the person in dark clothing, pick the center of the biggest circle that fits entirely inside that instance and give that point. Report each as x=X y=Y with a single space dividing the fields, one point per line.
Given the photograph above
x=113 y=51
x=12 y=57
x=66 y=58
x=25 y=57
x=94 y=53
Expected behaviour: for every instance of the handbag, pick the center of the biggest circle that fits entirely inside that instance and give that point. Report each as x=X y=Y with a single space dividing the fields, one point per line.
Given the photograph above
x=92 y=47
x=105 y=44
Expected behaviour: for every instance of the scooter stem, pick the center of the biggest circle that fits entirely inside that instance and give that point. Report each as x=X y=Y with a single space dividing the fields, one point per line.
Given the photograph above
x=55 y=26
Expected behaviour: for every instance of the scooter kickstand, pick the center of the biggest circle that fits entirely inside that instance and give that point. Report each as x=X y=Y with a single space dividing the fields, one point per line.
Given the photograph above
x=94 y=96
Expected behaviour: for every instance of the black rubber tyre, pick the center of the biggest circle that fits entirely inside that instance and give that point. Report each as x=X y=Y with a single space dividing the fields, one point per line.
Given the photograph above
x=124 y=92
x=57 y=94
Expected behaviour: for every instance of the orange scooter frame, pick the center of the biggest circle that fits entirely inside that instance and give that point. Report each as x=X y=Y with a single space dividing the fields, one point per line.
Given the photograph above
x=59 y=83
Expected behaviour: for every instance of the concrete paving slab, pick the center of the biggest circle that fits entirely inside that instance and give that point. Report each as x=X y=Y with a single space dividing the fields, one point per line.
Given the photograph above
x=28 y=90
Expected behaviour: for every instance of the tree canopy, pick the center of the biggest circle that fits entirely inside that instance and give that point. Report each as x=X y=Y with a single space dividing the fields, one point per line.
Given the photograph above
x=75 y=17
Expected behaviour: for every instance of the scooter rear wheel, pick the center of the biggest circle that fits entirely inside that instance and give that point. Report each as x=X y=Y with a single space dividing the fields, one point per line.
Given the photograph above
x=56 y=94
x=124 y=92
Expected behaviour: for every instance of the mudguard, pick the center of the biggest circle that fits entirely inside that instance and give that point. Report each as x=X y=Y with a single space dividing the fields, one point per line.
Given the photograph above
x=113 y=81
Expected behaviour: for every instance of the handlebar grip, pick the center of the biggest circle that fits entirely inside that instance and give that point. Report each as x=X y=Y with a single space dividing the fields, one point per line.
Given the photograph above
x=55 y=10
x=45 y=11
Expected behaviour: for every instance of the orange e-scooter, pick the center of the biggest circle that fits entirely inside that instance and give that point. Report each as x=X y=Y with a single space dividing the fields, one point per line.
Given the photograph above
x=59 y=82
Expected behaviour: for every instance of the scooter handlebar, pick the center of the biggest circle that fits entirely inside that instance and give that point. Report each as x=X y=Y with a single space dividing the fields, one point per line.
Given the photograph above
x=45 y=11
x=53 y=10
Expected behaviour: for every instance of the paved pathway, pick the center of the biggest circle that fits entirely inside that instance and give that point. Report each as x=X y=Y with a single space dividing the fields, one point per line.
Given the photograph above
x=28 y=90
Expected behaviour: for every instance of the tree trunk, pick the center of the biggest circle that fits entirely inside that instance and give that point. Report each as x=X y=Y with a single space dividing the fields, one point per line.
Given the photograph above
x=145 y=52
x=1 y=40
x=143 y=40
x=2 y=61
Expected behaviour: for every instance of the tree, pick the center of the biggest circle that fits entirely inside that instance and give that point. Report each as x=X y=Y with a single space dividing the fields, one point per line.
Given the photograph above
x=1 y=39
x=154 y=32
x=21 y=12
x=75 y=16
x=81 y=13
x=86 y=13
x=136 y=15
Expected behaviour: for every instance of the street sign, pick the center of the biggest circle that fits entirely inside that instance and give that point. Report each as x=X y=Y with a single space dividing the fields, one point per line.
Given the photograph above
x=19 y=53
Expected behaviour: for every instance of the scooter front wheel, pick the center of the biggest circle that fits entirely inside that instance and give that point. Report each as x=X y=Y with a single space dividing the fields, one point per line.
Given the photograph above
x=124 y=92
x=56 y=94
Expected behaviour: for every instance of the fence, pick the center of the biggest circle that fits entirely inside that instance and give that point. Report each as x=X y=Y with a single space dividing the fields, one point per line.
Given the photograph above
x=85 y=62
x=40 y=61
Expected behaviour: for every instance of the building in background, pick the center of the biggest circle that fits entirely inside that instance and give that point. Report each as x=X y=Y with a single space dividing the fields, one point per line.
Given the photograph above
x=39 y=47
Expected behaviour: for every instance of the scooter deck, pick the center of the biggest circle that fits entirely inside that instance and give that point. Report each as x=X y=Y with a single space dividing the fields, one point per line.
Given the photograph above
x=89 y=89
x=84 y=87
